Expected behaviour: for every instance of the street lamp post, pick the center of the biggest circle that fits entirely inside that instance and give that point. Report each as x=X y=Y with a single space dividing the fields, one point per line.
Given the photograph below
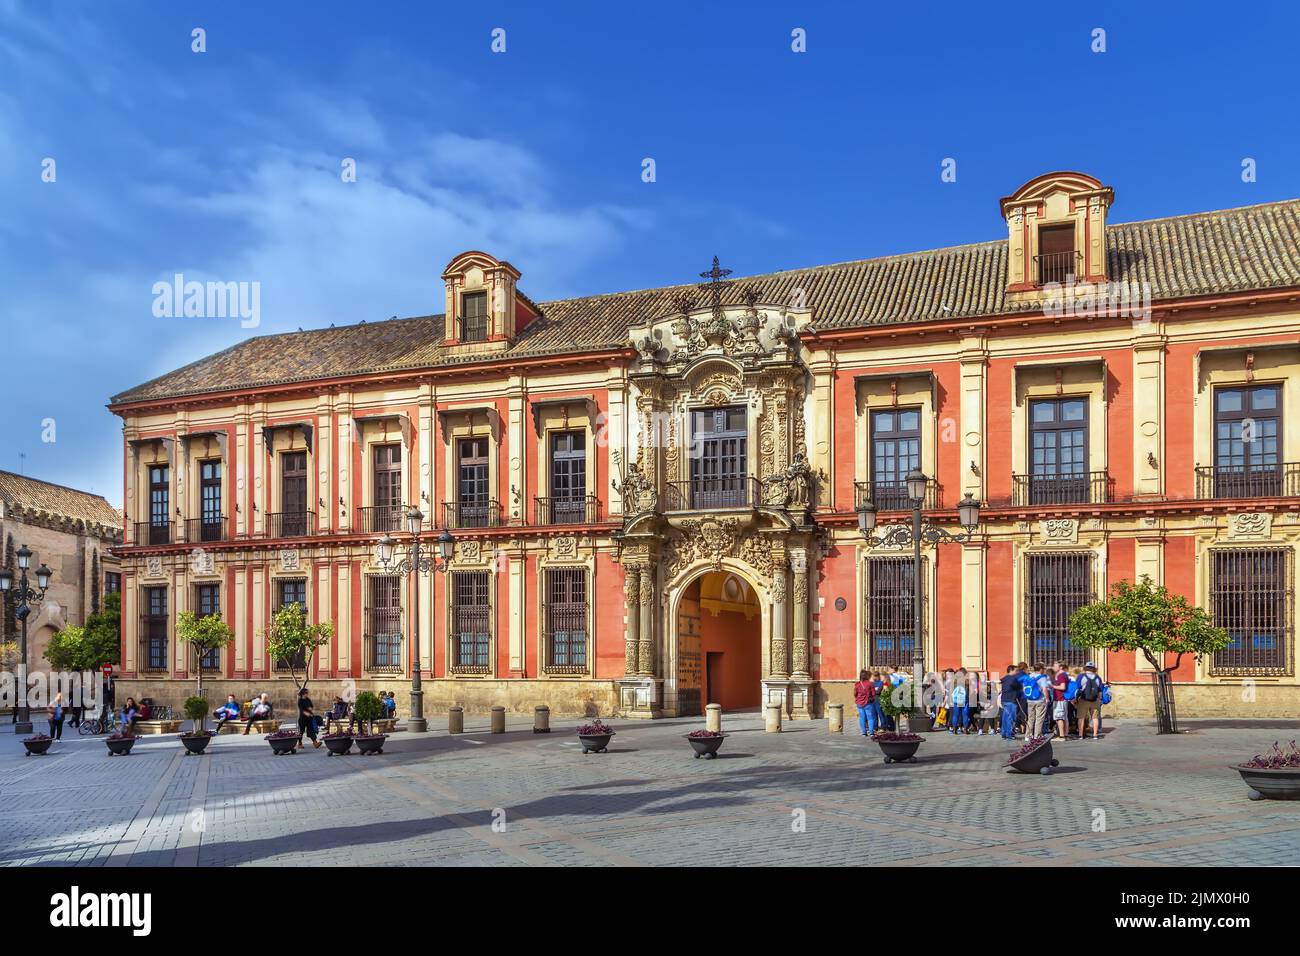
x=968 y=510
x=23 y=597
x=414 y=563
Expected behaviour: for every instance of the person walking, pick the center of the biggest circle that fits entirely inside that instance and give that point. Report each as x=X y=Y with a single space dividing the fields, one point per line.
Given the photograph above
x=864 y=698
x=306 y=719
x=1012 y=695
x=55 y=714
x=1087 y=701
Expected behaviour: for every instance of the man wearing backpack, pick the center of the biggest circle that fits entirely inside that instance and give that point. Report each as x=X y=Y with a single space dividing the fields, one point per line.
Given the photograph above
x=1087 y=700
x=1036 y=687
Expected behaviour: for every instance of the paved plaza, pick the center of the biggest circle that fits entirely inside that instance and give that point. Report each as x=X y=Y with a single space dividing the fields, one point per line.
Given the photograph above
x=801 y=797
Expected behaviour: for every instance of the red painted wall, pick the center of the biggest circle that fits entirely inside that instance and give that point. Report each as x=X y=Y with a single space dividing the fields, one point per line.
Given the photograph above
x=739 y=642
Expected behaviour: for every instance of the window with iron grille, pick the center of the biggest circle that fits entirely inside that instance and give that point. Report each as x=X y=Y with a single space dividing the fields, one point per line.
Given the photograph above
x=1251 y=593
x=154 y=630
x=566 y=620
x=473 y=317
x=207 y=600
x=471 y=622
x=384 y=622
x=291 y=591
x=890 y=612
x=1056 y=585
x=895 y=451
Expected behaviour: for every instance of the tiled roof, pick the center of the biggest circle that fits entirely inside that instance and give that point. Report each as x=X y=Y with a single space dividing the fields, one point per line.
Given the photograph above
x=19 y=491
x=1250 y=248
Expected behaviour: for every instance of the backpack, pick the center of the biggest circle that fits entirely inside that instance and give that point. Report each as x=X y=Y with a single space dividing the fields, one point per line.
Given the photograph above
x=1033 y=688
x=1090 y=687
x=1071 y=689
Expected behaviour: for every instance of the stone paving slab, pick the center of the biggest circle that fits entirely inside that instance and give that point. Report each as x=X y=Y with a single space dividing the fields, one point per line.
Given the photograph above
x=519 y=799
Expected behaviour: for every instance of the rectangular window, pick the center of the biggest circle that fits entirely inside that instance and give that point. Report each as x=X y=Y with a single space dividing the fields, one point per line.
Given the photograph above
x=895 y=452
x=210 y=501
x=1251 y=598
x=207 y=600
x=1056 y=585
x=1248 y=441
x=112 y=582
x=719 y=458
x=1056 y=254
x=291 y=591
x=160 y=511
x=566 y=620
x=1058 y=451
x=473 y=317
x=471 y=622
x=386 y=515
x=890 y=612
x=293 y=494
x=473 y=507
x=384 y=623
x=153 y=652
x=568 y=477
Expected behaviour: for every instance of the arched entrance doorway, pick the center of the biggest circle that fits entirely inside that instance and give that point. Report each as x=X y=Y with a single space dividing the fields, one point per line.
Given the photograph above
x=719 y=644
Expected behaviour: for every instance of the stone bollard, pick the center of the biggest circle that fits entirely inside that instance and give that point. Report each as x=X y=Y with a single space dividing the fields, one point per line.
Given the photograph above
x=835 y=713
x=541 y=719
x=773 y=721
x=713 y=718
x=456 y=720
x=498 y=720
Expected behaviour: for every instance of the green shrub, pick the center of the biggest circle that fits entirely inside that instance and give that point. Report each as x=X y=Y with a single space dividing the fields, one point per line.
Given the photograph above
x=367 y=708
x=196 y=709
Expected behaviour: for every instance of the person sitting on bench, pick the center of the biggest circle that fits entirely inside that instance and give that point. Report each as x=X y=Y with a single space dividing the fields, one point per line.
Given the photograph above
x=227 y=711
x=261 y=710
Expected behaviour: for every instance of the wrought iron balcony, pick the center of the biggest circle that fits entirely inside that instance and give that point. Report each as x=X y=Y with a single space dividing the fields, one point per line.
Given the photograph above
x=151 y=532
x=378 y=519
x=892 y=495
x=711 y=494
x=471 y=513
x=583 y=510
x=1056 y=266
x=1090 y=488
x=290 y=524
x=207 y=528
x=1248 y=481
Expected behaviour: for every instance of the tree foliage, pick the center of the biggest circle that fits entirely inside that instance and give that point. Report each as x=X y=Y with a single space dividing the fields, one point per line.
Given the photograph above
x=1146 y=617
x=366 y=709
x=203 y=633
x=293 y=642
x=89 y=646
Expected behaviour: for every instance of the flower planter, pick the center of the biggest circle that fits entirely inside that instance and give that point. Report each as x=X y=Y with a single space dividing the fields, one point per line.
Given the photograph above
x=370 y=743
x=595 y=743
x=37 y=746
x=338 y=746
x=282 y=745
x=706 y=747
x=196 y=743
x=119 y=746
x=1282 y=784
x=918 y=723
x=899 y=751
x=1038 y=760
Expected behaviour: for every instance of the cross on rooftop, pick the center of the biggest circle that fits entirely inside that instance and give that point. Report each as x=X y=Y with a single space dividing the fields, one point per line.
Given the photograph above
x=714 y=286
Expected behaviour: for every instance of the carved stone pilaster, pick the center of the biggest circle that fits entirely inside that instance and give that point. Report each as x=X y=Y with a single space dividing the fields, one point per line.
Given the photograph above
x=780 y=615
x=632 y=608
x=802 y=661
x=645 y=645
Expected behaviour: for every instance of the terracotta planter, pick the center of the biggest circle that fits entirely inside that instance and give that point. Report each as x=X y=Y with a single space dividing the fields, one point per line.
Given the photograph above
x=595 y=743
x=1283 y=784
x=196 y=743
x=281 y=745
x=338 y=746
x=1039 y=760
x=119 y=746
x=706 y=747
x=370 y=743
x=37 y=747
x=899 y=751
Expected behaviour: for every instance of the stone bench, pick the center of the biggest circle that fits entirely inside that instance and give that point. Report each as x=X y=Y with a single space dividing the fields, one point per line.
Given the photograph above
x=143 y=727
x=259 y=727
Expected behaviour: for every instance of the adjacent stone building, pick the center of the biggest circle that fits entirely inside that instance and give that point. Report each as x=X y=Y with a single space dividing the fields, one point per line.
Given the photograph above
x=73 y=533
x=654 y=495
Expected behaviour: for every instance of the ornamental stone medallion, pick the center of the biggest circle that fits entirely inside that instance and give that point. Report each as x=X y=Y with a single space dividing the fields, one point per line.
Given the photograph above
x=289 y=559
x=201 y=562
x=1250 y=525
x=566 y=547
x=153 y=567
x=469 y=550
x=1059 y=531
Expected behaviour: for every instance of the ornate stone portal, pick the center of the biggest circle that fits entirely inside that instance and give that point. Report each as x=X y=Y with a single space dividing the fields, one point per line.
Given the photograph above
x=715 y=357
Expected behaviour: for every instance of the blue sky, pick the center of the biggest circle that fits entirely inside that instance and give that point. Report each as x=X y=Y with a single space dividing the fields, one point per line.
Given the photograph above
x=225 y=164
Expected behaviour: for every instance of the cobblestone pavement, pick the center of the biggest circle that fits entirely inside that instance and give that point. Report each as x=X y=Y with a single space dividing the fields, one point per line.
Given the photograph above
x=516 y=799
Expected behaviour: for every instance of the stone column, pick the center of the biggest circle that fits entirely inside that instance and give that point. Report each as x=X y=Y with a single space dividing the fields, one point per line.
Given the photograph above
x=632 y=608
x=780 y=615
x=645 y=645
x=801 y=662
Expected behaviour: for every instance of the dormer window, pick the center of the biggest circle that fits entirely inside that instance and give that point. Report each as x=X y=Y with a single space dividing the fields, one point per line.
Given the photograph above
x=474 y=317
x=1057 y=259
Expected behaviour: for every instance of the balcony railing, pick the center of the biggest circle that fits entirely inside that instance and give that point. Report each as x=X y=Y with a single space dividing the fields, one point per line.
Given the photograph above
x=1092 y=488
x=1248 y=481
x=566 y=510
x=150 y=532
x=892 y=495
x=711 y=494
x=475 y=513
x=290 y=524
x=376 y=519
x=209 y=528
x=1056 y=266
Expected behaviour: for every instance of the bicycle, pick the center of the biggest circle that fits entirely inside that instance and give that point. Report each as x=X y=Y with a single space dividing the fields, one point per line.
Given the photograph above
x=99 y=724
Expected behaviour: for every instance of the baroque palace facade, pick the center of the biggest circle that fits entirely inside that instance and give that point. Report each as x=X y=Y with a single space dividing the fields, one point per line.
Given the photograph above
x=653 y=494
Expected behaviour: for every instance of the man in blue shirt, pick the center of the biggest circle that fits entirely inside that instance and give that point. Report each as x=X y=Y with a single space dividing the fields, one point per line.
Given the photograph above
x=1012 y=695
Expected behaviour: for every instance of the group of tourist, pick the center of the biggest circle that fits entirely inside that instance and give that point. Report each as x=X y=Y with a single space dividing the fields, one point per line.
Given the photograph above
x=1025 y=701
